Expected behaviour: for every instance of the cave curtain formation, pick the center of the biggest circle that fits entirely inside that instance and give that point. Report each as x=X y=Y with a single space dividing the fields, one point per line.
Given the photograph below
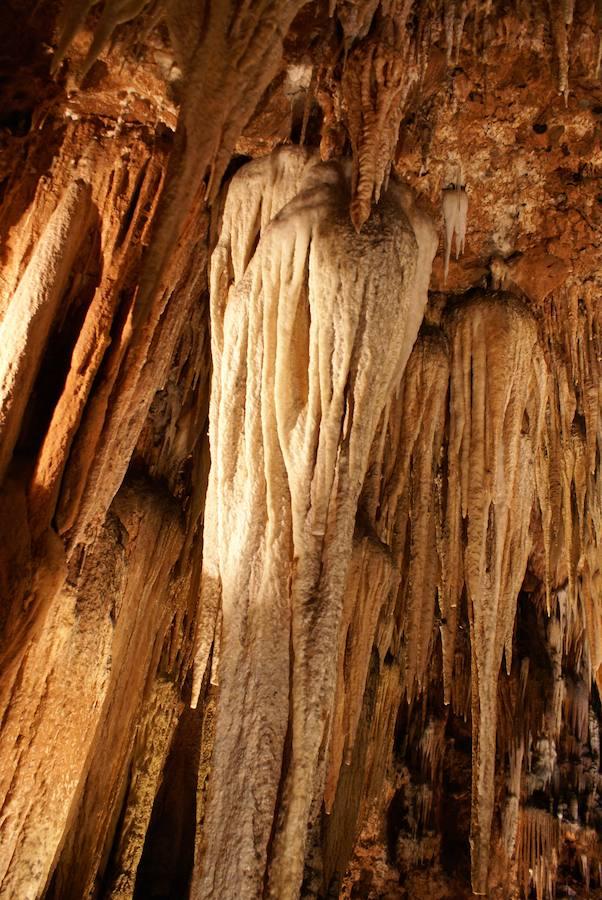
x=300 y=449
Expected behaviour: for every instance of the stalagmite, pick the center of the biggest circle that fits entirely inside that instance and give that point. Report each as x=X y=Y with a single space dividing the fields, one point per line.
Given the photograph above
x=308 y=335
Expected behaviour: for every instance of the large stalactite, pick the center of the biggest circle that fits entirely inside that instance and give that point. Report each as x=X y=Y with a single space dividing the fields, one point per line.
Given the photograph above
x=308 y=344
x=294 y=507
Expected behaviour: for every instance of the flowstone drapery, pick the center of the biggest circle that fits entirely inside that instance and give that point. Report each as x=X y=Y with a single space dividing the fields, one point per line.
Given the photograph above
x=312 y=324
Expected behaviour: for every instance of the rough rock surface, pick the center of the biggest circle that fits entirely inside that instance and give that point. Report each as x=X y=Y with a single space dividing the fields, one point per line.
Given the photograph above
x=301 y=511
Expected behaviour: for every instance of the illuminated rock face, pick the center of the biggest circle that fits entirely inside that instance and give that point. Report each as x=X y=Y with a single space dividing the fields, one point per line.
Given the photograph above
x=300 y=520
x=310 y=332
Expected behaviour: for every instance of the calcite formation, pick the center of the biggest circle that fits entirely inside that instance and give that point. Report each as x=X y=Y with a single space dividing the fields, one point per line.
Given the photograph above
x=300 y=449
x=308 y=339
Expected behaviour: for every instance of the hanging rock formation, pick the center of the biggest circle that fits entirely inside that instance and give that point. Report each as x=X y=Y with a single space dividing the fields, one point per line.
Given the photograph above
x=497 y=402
x=308 y=342
x=300 y=512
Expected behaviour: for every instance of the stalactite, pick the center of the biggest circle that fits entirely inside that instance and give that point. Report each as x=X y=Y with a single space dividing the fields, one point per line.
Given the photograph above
x=455 y=211
x=114 y=13
x=569 y=484
x=432 y=748
x=561 y=17
x=92 y=343
x=539 y=838
x=520 y=419
x=233 y=62
x=411 y=516
x=369 y=582
x=511 y=814
x=376 y=82
x=397 y=500
x=497 y=402
x=407 y=443
x=152 y=744
x=96 y=650
x=26 y=325
x=290 y=450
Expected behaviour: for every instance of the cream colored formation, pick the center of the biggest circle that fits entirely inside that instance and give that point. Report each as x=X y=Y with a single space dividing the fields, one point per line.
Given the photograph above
x=312 y=329
x=310 y=333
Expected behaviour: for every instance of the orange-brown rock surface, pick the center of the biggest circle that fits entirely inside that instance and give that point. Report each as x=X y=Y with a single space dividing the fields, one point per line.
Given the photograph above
x=300 y=449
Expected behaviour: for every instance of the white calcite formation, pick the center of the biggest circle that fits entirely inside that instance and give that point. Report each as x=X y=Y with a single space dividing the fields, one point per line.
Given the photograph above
x=312 y=324
x=497 y=402
x=455 y=214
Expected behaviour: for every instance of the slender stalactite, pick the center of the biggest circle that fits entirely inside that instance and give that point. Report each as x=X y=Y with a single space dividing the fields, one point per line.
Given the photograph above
x=497 y=400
